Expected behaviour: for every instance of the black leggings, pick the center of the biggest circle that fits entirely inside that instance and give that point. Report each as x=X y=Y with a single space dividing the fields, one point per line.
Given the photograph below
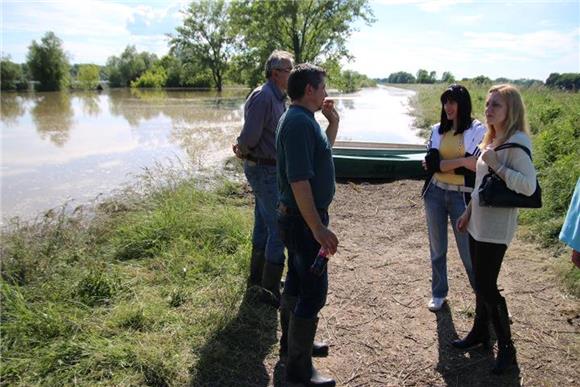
x=486 y=259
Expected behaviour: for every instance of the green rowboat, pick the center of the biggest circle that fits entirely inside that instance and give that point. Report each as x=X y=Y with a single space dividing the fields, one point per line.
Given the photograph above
x=369 y=160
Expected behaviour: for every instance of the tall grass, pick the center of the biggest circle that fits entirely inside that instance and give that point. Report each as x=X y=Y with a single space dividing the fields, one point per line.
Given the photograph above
x=136 y=294
x=554 y=118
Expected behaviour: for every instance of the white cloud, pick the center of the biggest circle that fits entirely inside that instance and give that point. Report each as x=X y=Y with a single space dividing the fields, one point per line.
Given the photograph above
x=91 y=30
x=538 y=44
x=426 y=5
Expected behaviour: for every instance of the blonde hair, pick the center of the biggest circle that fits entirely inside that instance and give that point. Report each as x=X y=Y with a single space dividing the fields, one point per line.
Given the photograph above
x=516 y=119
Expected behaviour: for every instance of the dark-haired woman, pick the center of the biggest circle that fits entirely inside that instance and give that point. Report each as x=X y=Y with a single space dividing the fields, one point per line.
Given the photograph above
x=491 y=229
x=450 y=163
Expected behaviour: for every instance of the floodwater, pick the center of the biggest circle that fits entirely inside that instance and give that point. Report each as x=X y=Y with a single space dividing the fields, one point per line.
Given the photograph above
x=59 y=147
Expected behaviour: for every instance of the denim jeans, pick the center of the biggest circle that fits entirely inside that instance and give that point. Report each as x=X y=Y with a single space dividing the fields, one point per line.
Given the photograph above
x=302 y=248
x=262 y=179
x=441 y=205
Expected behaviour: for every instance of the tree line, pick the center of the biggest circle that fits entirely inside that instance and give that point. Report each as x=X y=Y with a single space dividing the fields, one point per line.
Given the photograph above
x=566 y=81
x=218 y=43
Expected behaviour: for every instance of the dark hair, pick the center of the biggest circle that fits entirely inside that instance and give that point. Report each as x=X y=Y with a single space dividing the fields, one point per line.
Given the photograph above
x=459 y=94
x=302 y=75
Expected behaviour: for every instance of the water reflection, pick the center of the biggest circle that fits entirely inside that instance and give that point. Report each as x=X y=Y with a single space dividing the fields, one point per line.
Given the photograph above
x=98 y=141
x=11 y=108
x=53 y=116
x=90 y=100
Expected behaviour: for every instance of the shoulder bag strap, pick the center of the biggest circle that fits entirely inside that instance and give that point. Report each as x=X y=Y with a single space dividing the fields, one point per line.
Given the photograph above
x=514 y=145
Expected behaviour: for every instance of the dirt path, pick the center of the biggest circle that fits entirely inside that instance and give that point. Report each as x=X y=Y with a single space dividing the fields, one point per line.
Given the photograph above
x=376 y=318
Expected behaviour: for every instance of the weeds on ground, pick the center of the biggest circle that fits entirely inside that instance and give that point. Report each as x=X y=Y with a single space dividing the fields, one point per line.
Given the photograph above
x=129 y=295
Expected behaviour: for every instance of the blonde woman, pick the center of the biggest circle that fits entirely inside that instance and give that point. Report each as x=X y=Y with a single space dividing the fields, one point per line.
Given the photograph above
x=491 y=229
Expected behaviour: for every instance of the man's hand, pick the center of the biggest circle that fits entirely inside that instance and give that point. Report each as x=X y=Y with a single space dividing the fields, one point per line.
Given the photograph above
x=237 y=151
x=327 y=239
x=329 y=111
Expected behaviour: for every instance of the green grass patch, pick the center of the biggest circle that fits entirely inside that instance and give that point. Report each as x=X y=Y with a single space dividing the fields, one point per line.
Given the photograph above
x=140 y=292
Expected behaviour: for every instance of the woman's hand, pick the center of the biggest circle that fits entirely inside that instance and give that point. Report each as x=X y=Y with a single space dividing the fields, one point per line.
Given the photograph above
x=463 y=221
x=489 y=156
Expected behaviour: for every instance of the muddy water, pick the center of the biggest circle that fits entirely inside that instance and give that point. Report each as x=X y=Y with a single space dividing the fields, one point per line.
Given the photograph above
x=75 y=146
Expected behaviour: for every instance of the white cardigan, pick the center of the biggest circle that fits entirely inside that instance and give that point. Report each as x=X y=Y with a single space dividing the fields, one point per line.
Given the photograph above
x=471 y=138
x=494 y=224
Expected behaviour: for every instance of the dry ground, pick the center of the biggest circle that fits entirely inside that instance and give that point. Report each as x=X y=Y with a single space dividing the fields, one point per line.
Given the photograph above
x=376 y=319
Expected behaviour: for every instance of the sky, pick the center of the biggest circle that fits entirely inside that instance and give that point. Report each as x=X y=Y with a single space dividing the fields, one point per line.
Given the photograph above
x=513 y=39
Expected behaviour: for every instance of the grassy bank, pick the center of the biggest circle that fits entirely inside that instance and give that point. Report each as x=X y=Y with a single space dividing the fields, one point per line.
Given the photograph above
x=555 y=124
x=147 y=291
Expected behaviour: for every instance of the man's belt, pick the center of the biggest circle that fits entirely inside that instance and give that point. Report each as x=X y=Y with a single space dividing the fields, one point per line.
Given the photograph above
x=261 y=161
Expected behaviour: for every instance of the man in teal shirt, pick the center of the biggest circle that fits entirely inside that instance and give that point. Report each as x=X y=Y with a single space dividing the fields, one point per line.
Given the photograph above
x=306 y=183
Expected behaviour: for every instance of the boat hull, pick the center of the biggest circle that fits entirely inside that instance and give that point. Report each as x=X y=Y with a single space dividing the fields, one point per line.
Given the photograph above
x=378 y=161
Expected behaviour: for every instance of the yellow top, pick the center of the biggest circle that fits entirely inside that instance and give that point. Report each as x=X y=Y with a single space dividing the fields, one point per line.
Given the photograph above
x=451 y=148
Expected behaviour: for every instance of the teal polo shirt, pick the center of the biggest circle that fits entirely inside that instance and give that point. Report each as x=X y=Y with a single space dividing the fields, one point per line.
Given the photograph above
x=303 y=152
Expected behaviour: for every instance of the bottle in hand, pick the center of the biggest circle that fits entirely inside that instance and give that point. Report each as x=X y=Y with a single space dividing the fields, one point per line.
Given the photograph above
x=320 y=262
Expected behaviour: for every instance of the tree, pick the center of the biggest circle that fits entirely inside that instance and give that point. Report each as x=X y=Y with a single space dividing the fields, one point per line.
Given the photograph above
x=447 y=77
x=313 y=30
x=401 y=77
x=481 y=80
x=11 y=75
x=206 y=36
x=121 y=71
x=88 y=76
x=423 y=76
x=48 y=63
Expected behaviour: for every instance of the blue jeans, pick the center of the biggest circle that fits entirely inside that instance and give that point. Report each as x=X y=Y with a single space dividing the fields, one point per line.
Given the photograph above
x=441 y=205
x=262 y=179
x=310 y=289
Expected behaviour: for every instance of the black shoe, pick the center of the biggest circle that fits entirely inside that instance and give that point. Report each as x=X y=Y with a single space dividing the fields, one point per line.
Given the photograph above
x=472 y=340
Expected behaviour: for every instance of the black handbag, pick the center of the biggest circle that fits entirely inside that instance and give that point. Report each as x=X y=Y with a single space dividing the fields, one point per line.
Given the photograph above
x=493 y=192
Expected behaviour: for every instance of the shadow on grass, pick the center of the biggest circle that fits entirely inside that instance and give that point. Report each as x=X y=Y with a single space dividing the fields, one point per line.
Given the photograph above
x=235 y=355
x=467 y=368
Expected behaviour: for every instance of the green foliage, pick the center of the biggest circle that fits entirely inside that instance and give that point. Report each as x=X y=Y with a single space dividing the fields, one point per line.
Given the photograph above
x=48 y=63
x=88 y=76
x=401 y=77
x=206 y=36
x=155 y=77
x=11 y=75
x=481 y=80
x=85 y=317
x=96 y=287
x=349 y=81
x=313 y=31
x=566 y=81
x=121 y=71
x=447 y=78
x=423 y=76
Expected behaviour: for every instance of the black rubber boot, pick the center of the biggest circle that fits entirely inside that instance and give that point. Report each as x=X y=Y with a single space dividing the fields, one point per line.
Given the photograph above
x=287 y=305
x=479 y=334
x=256 y=266
x=271 y=283
x=506 y=354
x=299 y=368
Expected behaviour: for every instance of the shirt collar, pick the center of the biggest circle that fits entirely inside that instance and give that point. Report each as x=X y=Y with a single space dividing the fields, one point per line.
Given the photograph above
x=310 y=113
x=276 y=90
